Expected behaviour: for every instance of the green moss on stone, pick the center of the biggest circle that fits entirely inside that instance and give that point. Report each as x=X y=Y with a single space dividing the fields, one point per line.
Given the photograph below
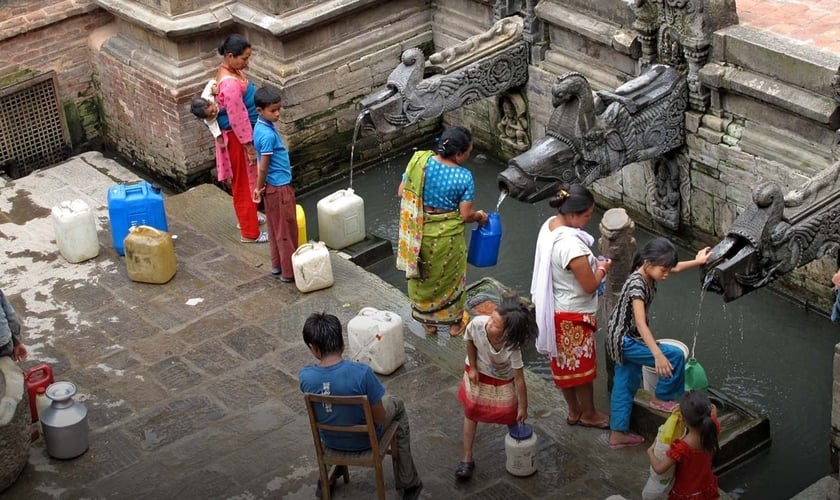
x=14 y=77
x=74 y=123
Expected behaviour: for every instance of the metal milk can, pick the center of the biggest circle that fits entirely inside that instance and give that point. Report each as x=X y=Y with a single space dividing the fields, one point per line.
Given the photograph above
x=64 y=422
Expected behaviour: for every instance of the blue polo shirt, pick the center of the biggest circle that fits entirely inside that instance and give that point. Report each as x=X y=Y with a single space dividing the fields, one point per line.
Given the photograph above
x=346 y=378
x=268 y=142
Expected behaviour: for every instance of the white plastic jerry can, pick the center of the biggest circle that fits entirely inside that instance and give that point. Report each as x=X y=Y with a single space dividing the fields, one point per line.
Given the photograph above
x=312 y=267
x=376 y=339
x=341 y=219
x=75 y=231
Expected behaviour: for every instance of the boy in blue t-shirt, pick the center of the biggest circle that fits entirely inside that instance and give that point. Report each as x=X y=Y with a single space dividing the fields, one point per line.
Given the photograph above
x=339 y=377
x=274 y=184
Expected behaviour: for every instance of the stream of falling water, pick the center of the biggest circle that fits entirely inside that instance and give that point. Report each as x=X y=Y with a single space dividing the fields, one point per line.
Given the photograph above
x=502 y=197
x=358 y=126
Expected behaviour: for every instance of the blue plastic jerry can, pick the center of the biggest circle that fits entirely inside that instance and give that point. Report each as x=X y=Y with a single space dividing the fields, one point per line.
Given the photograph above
x=485 y=241
x=139 y=204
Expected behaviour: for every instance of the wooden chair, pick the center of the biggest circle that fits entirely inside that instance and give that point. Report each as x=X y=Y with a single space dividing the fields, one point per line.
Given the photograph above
x=373 y=457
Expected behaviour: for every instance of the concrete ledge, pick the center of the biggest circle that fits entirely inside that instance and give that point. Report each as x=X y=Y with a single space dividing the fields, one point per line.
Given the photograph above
x=41 y=18
x=174 y=74
x=765 y=88
x=166 y=26
x=571 y=20
x=319 y=13
x=767 y=54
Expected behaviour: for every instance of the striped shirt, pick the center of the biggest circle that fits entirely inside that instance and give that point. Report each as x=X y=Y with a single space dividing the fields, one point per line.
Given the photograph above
x=622 y=323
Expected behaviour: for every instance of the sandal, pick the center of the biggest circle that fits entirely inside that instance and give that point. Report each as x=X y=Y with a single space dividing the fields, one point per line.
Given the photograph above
x=604 y=424
x=260 y=220
x=262 y=238
x=632 y=440
x=666 y=406
x=464 y=470
x=429 y=329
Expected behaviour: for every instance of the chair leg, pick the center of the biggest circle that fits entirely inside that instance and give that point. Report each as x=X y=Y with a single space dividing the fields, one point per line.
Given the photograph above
x=324 y=481
x=380 y=481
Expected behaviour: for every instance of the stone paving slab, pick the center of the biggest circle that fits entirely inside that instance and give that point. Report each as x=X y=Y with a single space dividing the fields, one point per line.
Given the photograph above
x=814 y=23
x=202 y=401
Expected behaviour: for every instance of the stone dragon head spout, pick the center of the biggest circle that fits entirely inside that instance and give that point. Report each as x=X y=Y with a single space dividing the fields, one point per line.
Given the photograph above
x=744 y=261
x=586 y=140
x=556 y=158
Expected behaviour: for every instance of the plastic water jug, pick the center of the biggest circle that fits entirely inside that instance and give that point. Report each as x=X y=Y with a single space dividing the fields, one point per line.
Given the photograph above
x=37 y=376
x=129 y=205
x=64 y=422
x=41 y=403
x=485 y=241
x=75 y=231
x=341 y=219
x=521 y=450
x=312 y=267
x=376 y=339
x=649 y=376
x=300 y=215
x=149 y=255
x=695 y=376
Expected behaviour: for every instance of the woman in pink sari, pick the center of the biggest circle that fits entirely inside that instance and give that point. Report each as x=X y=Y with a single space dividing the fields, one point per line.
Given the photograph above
x=237 y=115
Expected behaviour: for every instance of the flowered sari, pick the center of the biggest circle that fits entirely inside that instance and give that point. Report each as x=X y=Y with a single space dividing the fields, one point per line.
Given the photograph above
x=575 y=338
x=432 y=251
x=411 y=215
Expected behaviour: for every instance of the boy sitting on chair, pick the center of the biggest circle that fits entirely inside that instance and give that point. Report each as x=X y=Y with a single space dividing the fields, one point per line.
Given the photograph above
x=338 y=377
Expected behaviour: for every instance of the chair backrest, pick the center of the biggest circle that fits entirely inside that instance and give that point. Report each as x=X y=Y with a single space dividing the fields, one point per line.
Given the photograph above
x=368 y=427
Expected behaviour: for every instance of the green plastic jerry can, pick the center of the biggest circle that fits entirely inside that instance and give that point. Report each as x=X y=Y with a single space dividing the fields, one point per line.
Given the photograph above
x=695 y=376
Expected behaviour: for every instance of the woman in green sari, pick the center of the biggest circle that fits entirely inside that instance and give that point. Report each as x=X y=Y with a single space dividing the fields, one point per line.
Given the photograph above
x=437 y=200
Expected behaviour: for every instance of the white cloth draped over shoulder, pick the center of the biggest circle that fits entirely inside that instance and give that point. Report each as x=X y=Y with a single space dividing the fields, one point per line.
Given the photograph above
x=541 y=291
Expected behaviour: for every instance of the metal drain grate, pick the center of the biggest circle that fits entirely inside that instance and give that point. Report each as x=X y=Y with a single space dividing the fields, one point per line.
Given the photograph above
x=32 y=131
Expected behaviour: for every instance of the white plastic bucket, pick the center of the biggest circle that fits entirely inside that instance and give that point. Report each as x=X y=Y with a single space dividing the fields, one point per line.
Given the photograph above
x=341 y=219
x=312 y=267
x=376 y=339
x=649 y=377
x=75 y=231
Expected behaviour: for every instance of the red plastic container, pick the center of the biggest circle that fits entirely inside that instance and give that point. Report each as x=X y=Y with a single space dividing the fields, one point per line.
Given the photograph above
x=37 y=376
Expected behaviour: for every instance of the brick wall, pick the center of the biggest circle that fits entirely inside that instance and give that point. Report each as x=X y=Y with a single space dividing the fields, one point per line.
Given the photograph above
x=36 y=39
x=150 y=124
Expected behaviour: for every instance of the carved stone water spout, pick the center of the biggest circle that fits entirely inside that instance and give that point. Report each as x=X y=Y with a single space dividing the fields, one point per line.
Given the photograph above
x=484 y=65
x=590 y=137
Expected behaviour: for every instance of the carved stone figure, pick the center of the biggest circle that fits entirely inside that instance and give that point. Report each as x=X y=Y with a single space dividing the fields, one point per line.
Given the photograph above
x=777 y=234
x=588 y=139
x=482 y=66
x=513 y=122
x=678 y=33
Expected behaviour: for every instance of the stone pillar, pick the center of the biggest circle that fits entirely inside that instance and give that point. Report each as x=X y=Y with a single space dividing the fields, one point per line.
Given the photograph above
x=618 y=242
x=14 y=423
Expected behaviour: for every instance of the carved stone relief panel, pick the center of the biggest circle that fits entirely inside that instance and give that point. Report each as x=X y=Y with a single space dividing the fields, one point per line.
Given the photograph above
x=512 y=127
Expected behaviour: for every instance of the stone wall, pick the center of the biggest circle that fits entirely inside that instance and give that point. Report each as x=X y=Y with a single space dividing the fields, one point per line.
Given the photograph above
x=771 y=117
x=323 y=56
x=147 y=84
x=35 y=39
